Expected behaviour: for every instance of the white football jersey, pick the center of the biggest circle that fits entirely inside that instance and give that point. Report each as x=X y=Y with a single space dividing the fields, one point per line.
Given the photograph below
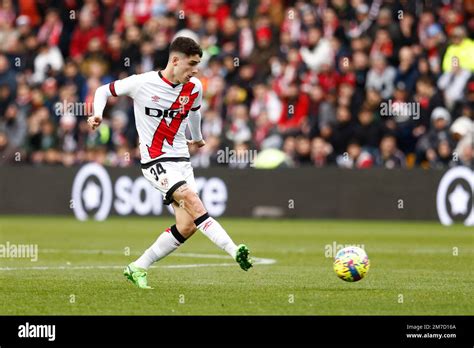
x=161 y=112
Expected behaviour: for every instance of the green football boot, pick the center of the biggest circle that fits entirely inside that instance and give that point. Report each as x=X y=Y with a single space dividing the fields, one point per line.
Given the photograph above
x=137 y=276
x=242 y=257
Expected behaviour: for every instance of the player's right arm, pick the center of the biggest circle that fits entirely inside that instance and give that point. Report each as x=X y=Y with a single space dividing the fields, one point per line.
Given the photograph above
x=195 y=119
x=127 y=86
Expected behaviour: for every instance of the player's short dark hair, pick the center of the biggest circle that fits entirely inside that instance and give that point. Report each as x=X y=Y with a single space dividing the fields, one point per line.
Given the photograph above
x=186 y=45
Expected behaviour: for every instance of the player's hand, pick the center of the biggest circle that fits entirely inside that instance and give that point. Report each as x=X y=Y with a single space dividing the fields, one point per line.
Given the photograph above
x=94 y=121
x=199 y=143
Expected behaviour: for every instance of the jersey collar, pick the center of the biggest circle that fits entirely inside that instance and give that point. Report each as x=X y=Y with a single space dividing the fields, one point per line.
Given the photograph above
x=167 y=81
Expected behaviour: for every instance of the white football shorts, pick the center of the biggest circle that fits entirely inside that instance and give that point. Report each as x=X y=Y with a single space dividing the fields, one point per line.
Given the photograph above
x=167 y=175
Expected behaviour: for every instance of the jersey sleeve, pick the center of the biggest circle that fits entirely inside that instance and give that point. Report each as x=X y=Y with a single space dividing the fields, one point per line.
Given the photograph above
x=127 y=86
x=197 y=102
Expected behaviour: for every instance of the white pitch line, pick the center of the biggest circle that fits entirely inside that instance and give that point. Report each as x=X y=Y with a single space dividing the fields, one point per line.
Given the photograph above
x=193 y=265
x=46 y=268
x=257 y=261
x=117 y=252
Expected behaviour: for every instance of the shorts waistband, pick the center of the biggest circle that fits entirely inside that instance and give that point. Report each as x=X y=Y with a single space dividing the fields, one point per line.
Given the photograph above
x=164 y=159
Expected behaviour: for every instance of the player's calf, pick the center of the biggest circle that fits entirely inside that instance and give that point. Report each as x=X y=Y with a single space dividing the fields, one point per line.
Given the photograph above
x=166 y=243
x=186 y=229
x=184 y=222
x=216 y=233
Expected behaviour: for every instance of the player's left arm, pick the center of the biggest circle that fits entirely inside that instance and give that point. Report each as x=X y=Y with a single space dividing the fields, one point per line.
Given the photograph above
x=195 y=119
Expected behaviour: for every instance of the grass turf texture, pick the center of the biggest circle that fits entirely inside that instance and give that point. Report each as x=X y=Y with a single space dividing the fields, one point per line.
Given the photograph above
x=414 y=260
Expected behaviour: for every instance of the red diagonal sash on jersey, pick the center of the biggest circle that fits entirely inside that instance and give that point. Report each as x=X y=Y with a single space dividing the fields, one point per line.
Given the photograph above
x=168 y=132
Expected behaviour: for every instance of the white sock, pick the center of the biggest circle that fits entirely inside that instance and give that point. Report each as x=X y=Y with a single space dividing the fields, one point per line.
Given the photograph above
x=214 y=231
x=164 y=245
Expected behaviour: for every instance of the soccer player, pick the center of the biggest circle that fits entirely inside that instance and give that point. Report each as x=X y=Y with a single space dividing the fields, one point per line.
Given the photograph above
x=165 y=102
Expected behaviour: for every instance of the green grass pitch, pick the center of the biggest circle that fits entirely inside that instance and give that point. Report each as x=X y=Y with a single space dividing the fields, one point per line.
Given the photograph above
x=414 y=269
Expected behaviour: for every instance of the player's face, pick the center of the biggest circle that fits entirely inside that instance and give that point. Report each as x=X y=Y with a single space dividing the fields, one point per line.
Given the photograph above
x=187 y=67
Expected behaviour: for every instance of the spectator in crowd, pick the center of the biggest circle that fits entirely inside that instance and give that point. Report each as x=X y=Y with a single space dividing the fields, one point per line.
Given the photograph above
x=321 y=153
x=71 y=75
x=85 y=32
x=424 y=69
x=7 y=12
x=343 y=130
x=303 y=150
x=8 y=82
x=321 y=113
x=44 y=143
x=50 y=31
x=355 y=157
x=332 y=25
x=264 y=131
x=429 y=98
x=407 y=30
x=407 y=72
x=426 y=148
x=14 y=125
x=118 y=128
x=50 y=91
x=265 y=100
x=239 y=129
x=404 y=118
x=211 y=124
x=67 y=133
x=9 y=153
x=444 y=156
x=294 y=109
x=452 y=84
x=381 y=76
x=289 y=147
x=389 y=156
x=262 y=52
x=317 y=52
x=463 y=134
x=433 y=43
x=363 y=20
x=460 y=51
x=383 y=45
x=360 y=62
x=386 y=24
x=368 y=132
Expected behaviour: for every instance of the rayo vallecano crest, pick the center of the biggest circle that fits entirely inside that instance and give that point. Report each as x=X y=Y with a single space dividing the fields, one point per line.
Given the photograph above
x=183 y=99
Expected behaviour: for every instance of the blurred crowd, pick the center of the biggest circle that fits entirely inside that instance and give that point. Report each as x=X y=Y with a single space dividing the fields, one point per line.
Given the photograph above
x=348 y=83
